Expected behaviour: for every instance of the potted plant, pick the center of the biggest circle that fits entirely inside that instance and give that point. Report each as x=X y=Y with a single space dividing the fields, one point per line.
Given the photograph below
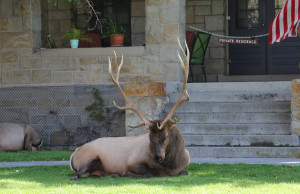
x=85 y=9
x=114 y=32
x=74 y=35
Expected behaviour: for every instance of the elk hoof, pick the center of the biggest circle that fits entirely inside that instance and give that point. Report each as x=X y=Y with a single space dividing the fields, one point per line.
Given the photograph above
x=149 y=175
x=75 y=178
x=115 y=175
x=183 y=173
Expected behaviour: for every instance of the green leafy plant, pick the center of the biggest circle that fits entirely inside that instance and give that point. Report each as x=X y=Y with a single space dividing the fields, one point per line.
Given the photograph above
x=111 y=27
x=96 y=108
x=75 y=33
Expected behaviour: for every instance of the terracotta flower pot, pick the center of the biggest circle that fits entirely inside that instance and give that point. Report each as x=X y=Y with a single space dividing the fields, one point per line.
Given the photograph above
x=117 y=39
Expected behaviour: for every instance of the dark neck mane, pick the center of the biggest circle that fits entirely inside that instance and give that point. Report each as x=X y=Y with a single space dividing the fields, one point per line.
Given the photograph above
x=175 y=149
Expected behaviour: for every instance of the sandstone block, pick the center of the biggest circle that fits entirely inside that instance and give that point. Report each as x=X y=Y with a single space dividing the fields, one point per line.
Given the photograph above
x=138 y=39
x=6 y=74
x=70 y=63
x=63 y=4
x=199 y=19
x=6 y=7
x=60 y=14
x=138 y=8
x=16 y=40
x=88 y=60
x=190 y=15
x=54 y=27
x=138 y=25
x=30 y=63
x=145 y=89
x=9 y=56
x=218 y=7
x=197 y=2
x=21 y=77
x=14 y=24
x=60 y=77
x=203 y=10
x=3 y=24
x=65 y=25
x=215 y=23
x=80 y=77
x=27 y=22
x=94 y=74
x=41 y=76
x=217 y=53
x=62 y=103
x=59 y=138
x=22 y=7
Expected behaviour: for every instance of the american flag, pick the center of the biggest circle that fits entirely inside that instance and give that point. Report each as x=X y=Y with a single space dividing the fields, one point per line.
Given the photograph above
x=286 y=22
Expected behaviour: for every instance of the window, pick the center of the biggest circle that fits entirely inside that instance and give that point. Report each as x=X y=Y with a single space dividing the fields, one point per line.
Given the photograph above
x=117 y=10
x=247 y=14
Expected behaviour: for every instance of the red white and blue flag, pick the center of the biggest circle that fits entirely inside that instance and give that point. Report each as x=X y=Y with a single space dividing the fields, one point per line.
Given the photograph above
x=286 y=22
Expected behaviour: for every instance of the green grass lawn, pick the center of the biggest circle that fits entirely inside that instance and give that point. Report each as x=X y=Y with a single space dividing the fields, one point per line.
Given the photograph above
x=202 y=178
x=34 y=156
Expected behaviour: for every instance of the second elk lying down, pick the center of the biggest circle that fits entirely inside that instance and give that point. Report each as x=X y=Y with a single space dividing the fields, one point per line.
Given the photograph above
x=161 y=152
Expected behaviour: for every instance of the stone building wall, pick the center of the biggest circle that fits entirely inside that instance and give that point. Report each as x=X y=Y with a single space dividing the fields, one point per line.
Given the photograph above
x=209 y=15
x=138 y=22
x=24 y=63
x=58 y=112
x=57 y=16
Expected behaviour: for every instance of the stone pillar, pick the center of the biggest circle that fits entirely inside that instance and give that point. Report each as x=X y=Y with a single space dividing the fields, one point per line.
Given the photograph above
x=165 y=21
x=20 y=35
x=295 y=107
x=21 y=24
x=149 y=98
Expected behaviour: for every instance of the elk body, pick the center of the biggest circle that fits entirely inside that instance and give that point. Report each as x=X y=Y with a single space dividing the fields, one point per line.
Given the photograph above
x=14 y=137
x=161 y=152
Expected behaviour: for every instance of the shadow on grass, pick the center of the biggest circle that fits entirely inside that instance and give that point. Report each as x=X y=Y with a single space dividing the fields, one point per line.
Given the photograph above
x=199 y=174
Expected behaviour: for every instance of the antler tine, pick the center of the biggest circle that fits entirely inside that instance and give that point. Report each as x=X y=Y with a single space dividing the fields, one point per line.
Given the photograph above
x=128 y=104
x=118 y=67
x=181 y=99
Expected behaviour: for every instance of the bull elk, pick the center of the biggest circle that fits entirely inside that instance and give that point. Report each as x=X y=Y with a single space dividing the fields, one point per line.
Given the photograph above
x=161 y=152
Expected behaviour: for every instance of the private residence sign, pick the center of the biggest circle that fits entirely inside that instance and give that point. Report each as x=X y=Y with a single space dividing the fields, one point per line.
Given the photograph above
x=238 y=41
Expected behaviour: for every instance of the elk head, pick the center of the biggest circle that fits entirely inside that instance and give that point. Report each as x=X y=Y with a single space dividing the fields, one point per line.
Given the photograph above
x=159 y=129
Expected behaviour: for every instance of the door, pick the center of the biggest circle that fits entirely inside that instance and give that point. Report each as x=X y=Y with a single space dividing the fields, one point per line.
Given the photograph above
x=253 y=17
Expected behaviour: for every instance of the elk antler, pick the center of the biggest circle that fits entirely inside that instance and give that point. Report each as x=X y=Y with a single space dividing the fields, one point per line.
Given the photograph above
x=181 y=99
x=128 y=104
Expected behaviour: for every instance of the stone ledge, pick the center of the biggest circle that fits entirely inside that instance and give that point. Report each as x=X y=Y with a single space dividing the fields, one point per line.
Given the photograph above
x=107 y=51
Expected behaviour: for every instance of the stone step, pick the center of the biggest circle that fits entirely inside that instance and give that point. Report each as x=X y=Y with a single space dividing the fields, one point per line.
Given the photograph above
x=233 y=118
x=273 y=96
x=196 y=107
x=244 y=152
x=239 y=87
x=242 y=140
x=234 y=129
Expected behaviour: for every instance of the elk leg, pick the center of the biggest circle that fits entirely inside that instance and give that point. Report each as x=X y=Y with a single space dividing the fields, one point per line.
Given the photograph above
x=93 y=167
x=139 y=171
x=183 y=173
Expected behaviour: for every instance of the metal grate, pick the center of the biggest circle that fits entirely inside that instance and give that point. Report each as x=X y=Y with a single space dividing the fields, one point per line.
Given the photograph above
x=58 y=112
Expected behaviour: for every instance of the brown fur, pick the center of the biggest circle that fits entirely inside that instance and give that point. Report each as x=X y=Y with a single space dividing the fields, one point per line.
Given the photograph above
x=158 y=153
x=14 y=137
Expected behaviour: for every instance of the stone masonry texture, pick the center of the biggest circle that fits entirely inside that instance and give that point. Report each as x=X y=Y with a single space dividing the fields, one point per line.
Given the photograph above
x=295 y=107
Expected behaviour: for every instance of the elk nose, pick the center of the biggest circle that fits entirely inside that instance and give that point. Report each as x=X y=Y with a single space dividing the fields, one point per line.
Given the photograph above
x=158 y=159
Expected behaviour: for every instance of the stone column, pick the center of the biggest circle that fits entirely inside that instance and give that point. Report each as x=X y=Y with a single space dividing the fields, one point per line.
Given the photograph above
x=165 y=21
x=295 y=107
x=149 y=98
x=20 y=35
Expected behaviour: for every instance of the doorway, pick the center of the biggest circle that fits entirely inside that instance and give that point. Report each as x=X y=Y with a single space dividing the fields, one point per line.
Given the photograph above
x=253 y=17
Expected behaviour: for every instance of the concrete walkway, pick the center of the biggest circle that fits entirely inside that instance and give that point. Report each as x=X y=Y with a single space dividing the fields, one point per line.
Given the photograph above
x=270 y=161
